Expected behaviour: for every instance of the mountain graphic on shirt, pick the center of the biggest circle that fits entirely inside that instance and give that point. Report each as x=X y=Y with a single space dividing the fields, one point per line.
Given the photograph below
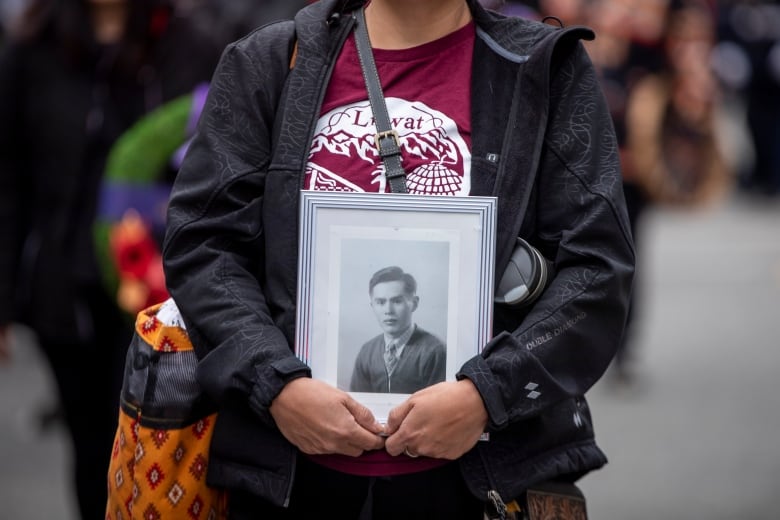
x=435 y=157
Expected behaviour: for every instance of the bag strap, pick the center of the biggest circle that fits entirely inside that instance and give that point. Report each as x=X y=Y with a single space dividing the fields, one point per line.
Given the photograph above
x=386 y=139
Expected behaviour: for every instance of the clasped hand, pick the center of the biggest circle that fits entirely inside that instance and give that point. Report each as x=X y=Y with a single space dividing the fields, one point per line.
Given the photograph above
x=444 y=420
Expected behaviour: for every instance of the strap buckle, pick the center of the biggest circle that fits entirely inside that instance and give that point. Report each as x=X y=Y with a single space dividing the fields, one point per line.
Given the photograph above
x=387 y=134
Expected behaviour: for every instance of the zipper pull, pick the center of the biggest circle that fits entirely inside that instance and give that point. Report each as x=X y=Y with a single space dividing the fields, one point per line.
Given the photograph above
x=495 y=509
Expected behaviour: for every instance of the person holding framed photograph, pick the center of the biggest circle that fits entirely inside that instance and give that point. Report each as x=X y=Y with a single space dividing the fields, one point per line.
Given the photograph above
x=404 y=358
x=482 y=105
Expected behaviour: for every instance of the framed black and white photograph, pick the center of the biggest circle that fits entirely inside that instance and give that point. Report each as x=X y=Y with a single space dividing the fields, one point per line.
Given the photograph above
x=395 y=290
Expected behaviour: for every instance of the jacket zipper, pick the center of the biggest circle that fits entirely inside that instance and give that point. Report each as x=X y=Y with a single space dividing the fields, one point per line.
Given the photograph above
x=495 y=508
x=293 y=468
x=346 y=25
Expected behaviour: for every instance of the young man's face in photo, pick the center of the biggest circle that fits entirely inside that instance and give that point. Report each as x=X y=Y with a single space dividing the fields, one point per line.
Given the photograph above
x=393 y=307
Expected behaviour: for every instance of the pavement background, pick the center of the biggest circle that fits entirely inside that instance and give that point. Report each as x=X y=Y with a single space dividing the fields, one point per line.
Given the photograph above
x=700 y=436
x=697 y=438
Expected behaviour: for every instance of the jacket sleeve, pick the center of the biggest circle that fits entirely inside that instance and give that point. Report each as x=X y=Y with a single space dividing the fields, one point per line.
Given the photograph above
x=214 y=249
x=564 y=343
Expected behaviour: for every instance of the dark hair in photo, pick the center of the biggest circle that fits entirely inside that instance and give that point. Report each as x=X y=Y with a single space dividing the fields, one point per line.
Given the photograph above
x=393 y=274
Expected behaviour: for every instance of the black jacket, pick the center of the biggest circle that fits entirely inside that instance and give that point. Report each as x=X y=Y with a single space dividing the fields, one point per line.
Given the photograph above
x=543 y=143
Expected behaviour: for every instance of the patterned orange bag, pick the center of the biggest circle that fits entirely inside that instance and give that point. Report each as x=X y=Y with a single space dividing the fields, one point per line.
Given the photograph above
x=160 y=454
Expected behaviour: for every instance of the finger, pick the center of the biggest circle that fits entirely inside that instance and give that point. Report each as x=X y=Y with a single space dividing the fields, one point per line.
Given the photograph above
x=363 y=441
x=395 y=445
x=410 y=453
x=369 y=435
x=398 y=438
x=397 y=416
x=364 y=417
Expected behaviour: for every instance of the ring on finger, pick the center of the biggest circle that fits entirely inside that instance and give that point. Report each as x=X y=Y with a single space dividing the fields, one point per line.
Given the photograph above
x=409 y=453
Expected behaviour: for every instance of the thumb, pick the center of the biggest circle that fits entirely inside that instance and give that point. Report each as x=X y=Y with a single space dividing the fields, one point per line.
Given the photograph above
x=397 y=416
x=364 y=417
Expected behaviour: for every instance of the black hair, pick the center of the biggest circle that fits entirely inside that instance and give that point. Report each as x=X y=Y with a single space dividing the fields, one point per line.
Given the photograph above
x=393 y=274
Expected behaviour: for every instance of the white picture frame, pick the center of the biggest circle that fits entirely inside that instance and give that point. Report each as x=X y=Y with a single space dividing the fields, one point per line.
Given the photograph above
x=446 y=243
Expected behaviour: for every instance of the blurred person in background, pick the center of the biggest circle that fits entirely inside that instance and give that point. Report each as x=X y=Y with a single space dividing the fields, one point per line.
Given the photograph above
x=626 y=47
x=748 y=65
x=672 y=155
x=672 y=131
x=653 y=58
x=9 y=10
x=568 y=12
x=75 y=74
x=228 y=20
x=621 y=52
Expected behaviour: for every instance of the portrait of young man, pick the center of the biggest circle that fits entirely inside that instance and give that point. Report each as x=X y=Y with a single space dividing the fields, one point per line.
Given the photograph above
x=405 y=357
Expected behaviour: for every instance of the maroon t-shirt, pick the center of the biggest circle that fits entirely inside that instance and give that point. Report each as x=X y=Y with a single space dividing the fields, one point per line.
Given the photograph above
x=427 y=90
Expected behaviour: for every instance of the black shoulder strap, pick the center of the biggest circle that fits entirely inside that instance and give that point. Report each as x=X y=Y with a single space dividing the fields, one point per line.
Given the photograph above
x=386 y=139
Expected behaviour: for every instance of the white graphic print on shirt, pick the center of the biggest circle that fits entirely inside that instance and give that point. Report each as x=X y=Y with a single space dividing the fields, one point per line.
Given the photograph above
x=436 y=158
